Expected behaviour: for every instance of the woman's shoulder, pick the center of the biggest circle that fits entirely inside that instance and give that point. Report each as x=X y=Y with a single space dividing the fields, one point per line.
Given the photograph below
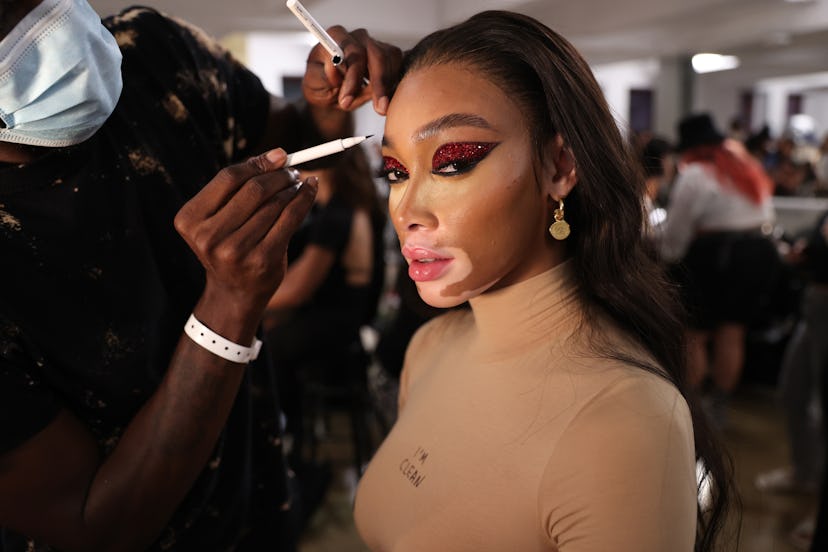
x=640 y=392
x=624 y=379
x=626 y=462
x=631 y=412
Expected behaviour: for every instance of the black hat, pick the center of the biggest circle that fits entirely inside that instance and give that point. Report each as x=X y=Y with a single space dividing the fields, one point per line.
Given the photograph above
x=697 y=130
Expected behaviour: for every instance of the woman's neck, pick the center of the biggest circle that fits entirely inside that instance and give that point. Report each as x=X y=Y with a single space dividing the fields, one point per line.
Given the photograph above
x=539 y=309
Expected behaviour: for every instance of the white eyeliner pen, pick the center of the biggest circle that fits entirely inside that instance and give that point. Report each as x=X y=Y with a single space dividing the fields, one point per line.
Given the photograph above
x=322 y=150
x=327 y=42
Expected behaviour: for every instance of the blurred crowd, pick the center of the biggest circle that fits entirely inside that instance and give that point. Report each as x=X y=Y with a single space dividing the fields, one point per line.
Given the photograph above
x=796 y=160
x=755 y=290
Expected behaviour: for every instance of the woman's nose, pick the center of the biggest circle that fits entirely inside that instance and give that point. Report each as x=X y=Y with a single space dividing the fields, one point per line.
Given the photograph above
x=413 y=207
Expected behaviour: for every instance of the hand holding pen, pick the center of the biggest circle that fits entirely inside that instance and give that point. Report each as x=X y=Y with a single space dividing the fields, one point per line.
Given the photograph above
x=359 y=57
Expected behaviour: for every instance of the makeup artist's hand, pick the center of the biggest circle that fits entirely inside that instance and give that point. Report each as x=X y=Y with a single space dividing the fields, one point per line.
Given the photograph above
x=365 y=58
x=239 y=226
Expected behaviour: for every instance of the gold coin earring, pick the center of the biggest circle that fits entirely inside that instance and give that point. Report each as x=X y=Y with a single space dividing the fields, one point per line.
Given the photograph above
x=560 y=228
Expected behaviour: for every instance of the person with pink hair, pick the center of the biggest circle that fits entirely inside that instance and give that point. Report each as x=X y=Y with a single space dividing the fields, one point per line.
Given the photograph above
x=715 y=235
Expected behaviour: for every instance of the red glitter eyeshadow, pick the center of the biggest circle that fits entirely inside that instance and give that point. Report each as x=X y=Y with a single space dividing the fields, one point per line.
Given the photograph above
x=391 y=164
x=462 y=152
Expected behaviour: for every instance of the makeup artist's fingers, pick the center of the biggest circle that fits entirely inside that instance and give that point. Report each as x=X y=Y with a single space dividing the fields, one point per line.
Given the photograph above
x=245 y=266
x=321 y=72
x=353 y=66
x=316 y=88
x=366 y=58
x=271 y=226
x=369 y=71
x=256 y=192
x=227 y=181
x=383 y=62
x=241 y=245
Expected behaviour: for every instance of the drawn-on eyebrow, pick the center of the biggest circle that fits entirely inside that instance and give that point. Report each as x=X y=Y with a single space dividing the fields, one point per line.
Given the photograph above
x=446 y=121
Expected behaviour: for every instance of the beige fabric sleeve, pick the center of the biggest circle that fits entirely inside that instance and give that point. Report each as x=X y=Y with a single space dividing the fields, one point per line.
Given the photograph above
x=622 y=477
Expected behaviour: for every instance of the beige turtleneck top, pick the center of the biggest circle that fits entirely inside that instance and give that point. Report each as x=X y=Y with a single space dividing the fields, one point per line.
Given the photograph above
x=514 y=435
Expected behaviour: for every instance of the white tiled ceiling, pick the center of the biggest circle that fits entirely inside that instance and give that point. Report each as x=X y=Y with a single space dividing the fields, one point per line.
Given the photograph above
x=777 y=37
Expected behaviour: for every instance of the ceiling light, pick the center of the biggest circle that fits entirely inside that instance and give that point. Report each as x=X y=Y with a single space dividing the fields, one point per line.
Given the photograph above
x=707 y=63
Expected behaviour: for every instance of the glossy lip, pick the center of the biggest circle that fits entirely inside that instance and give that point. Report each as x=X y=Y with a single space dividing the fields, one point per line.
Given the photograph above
x=414 y=253
x=420 y=271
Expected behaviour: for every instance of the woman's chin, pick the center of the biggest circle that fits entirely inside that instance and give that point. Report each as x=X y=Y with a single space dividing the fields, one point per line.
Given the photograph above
x=437 y=297
x=434 y=299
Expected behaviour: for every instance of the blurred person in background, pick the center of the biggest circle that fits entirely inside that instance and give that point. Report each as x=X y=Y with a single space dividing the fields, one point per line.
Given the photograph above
x=791 y=168
x=330 y=291
x=821 y=169
x=802 y=381
x=715 y=238
x=659 y=170
x=804 y=362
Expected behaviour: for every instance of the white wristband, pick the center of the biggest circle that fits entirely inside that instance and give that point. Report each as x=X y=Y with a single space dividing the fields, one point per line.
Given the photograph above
x=220 y=346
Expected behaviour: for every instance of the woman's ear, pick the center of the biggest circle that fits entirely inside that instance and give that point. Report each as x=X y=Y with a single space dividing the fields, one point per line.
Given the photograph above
x=559 y=174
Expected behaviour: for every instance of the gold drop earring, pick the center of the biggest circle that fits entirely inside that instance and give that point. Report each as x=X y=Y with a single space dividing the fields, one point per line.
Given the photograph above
x=560 y=228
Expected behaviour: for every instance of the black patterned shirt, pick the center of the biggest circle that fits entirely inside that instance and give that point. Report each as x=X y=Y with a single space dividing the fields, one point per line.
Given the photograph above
x=95 y=283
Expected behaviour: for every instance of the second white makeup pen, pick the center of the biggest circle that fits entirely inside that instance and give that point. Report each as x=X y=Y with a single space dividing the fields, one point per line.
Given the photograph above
x=322 y=150
x=327 y=42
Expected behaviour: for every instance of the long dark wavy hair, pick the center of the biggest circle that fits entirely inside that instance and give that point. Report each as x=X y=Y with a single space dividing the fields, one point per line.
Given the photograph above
x=618 y=273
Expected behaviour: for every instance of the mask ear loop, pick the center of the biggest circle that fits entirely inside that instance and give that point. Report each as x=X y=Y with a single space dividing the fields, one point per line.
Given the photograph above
x=560 y=228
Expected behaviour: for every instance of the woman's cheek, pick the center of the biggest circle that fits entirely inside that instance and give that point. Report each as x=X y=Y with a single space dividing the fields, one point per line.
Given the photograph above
x=469 y=278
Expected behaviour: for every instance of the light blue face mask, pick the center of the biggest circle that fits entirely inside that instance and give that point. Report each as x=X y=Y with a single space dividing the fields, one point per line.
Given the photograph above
x=60 y=75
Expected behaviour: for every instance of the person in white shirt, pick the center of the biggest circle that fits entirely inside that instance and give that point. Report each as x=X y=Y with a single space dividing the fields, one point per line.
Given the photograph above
x=715 y=236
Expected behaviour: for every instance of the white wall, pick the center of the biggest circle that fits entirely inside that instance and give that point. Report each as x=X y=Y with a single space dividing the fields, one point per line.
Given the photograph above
x=816 y=104
x=719 y=94
x=670 y=96
x=617 y=79
x=814 y=89
x=273 y=56
x=663 y=76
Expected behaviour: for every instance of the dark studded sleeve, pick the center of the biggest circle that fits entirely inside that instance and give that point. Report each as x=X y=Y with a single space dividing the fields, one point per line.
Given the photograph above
x=193 y=77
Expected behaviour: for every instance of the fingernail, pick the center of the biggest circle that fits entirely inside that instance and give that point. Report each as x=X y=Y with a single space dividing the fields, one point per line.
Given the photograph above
x=346 y=101
x=277 y=155
x=382 y=105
